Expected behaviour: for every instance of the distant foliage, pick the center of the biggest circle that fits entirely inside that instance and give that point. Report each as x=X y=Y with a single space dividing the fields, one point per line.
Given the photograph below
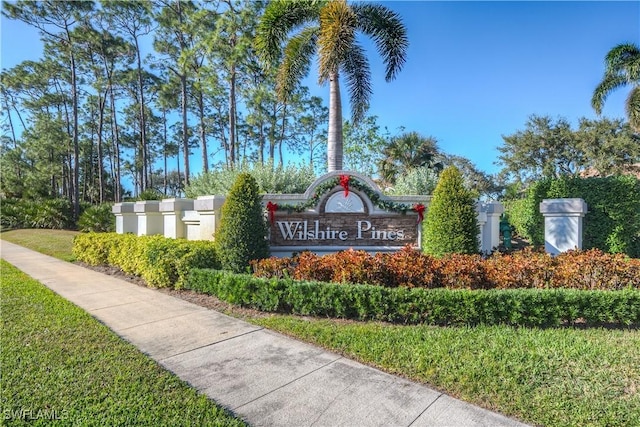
x=612 y=223
x=97 y=219
x=451 y=223
x=421 y=181
x=150 y=194
x=243 y=231
x=290 y=179
x=48 y=214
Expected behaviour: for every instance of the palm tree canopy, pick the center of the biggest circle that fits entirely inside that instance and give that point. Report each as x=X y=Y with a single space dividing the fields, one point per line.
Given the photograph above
x=406 y=152
x=328 y=29
x=622 y=68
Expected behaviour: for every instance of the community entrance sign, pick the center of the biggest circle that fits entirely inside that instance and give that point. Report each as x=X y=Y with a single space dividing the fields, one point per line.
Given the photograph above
x=343 y=210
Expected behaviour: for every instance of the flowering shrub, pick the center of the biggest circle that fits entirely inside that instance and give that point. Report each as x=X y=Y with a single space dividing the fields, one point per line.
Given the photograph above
x=409 y=268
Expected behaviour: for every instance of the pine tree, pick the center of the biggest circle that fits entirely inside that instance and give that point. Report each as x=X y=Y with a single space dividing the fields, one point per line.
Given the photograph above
x=451 y=225
x=242 y=234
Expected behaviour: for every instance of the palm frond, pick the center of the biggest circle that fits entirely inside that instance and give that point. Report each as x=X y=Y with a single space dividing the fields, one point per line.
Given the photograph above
x=356 y=69
x=298 y=55
x=279 y=19
x=389 y=33
x=633 y=109
x=624 y=59
x=606 y=86
x=337 y=35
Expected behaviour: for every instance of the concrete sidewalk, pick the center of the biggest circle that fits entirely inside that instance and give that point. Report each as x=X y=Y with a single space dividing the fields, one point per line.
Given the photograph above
x=263 y=377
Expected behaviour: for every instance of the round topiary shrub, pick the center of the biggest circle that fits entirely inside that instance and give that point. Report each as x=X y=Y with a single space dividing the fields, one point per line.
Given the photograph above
x=242 y=234
x=451 y=225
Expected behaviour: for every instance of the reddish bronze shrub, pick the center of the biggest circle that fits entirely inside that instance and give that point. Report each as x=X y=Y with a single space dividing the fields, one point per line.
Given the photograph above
x=410 y=268
x=522 y=269
x=591 y=269
x=594 y=269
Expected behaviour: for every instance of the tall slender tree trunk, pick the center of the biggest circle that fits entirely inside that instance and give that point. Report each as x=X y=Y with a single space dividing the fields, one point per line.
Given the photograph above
x=116 y=145
x=76 y=145
x=203 y=134
x=165 y=183
x=334 y=140
x=232 y=116
x=101 y=104
x=185 y=130
x=143 y=122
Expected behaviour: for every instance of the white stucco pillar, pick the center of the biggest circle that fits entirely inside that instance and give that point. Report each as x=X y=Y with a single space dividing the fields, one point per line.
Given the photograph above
x=149 y=217
x=562 y=224
x=209 y=210
x=491 y=230
x=172 y=215
x=126 y=219
x=482 y=220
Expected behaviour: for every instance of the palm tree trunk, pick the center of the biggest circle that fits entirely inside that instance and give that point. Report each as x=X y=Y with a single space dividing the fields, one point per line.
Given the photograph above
x=334 y=142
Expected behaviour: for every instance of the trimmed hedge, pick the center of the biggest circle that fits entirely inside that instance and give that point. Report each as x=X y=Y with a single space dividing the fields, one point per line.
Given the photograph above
x=524 y=307
x=160 y=261
x=612 y=223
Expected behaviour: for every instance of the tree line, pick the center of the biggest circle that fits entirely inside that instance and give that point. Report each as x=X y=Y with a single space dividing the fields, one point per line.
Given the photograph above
x=101 y=105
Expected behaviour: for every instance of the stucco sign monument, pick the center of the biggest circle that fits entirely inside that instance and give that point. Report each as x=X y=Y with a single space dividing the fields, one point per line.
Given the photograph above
x=343 y=210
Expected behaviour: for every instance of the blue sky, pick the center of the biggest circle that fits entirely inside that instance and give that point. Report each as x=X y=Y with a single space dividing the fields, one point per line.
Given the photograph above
x=475 y=70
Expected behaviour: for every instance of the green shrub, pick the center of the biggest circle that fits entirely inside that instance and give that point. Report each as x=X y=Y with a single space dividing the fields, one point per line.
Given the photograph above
x=612 y=223
x=49 y=214
x=10 y=214
x=243 y=231
x=150 y=194
x=523 y=307
x=160 y=261
x=98 y=218
x=422 y=180
x=451 y=225
x=290 y=179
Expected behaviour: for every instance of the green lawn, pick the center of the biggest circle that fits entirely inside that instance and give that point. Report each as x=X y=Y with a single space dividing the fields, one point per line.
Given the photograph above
x=60 y=364
x=56 y=243
x=553 y=377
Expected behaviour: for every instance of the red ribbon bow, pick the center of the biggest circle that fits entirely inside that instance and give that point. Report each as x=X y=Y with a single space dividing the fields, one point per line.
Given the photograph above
x=420 y=209
x=344 y=181
x=272 y=208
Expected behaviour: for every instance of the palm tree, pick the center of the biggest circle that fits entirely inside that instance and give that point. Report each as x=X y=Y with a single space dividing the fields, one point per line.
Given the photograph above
x=408 y=151
x=328 y=28
x=622 y=67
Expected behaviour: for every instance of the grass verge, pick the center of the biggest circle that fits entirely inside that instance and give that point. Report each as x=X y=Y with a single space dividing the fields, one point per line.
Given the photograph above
x=56 y=243
x=555 y=377
x=61 y=366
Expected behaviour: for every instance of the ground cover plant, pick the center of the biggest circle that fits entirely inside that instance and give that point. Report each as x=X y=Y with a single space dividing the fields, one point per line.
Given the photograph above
x=60 y=364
